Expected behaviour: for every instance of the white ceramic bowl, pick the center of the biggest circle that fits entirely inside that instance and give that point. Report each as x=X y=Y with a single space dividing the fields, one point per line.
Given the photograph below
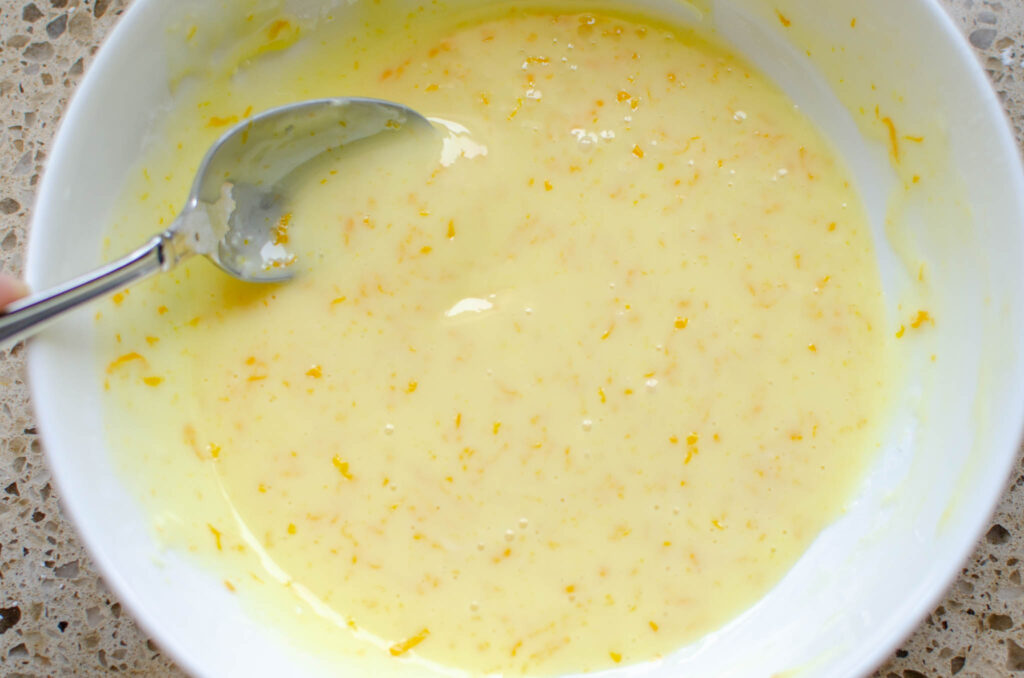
x=871 y=576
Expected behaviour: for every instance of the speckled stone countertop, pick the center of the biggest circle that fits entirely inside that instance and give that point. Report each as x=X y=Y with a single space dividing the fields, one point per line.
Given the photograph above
x=56 y=616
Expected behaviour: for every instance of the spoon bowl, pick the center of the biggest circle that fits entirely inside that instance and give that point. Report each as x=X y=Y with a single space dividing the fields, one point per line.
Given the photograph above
x=239 y=188
x=235 y=209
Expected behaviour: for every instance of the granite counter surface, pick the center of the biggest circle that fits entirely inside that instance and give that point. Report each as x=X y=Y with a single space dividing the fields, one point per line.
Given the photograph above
x=57 y=618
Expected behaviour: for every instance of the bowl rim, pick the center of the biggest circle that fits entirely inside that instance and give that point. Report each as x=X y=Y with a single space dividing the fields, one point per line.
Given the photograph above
x=992 y=484
x=107 y=568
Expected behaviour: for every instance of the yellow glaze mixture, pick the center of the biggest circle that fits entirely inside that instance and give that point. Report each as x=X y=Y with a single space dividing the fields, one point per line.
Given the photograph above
x=570 y=391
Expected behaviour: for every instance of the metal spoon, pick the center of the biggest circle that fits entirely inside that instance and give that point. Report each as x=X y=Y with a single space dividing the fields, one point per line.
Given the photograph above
x=236 y=203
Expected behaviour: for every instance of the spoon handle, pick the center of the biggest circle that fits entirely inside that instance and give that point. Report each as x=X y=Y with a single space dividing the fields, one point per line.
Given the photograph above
x=24 y=318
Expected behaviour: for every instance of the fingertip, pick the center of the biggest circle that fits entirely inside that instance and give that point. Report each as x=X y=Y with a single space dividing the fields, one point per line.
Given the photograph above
x=11 y=289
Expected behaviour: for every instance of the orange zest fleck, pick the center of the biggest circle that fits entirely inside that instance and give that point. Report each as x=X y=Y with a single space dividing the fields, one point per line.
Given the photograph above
x=637 y=151
x=783 y=19
x=281 y=230
x=277 y=28
x=515 y=109
x=400 y=648
x=292 y=529
x=894 y=142
x=900 y=332
x=216 y=121
x=124 y=360
x=411 y=388
x=616 y=657
x=152 y=381
x=681 y=323
x=316 y=372
x=654 y=627
x=216 y=536
x=921 y=318
x=342 y=467
x=451 y=229
x=691 y=448
x=338 y=300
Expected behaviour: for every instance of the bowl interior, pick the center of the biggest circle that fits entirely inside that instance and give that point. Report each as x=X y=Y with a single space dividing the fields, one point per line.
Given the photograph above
x=887 y=83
